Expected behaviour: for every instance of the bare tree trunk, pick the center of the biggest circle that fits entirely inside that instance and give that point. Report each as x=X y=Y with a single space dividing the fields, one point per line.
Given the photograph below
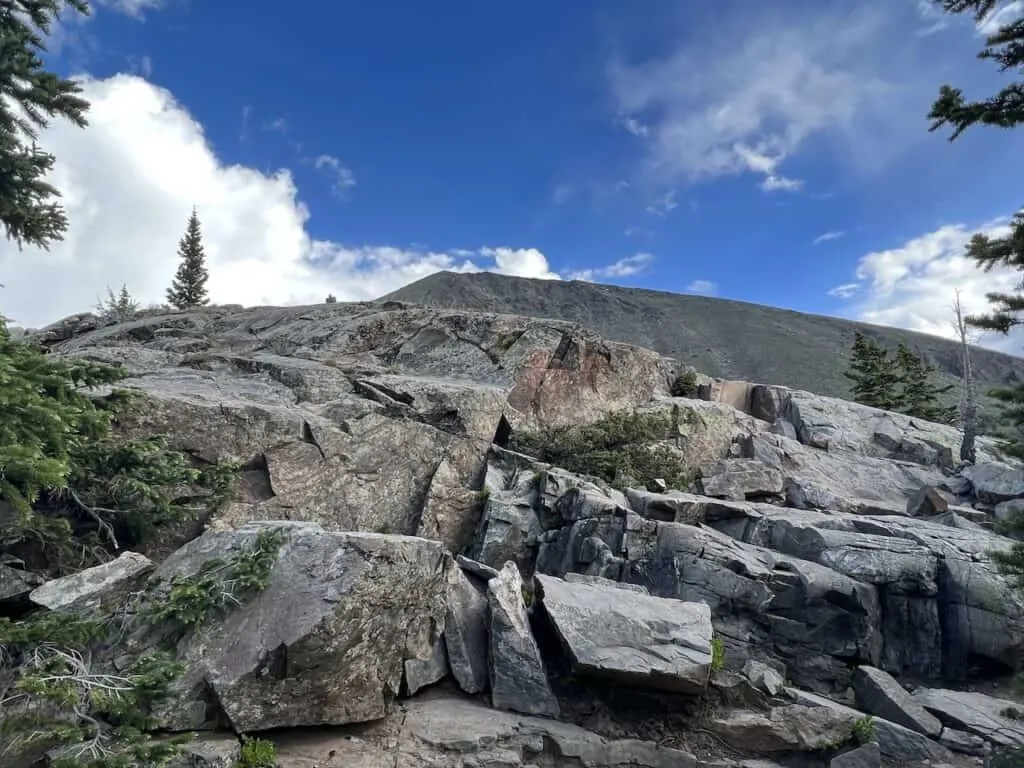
x=968 y=398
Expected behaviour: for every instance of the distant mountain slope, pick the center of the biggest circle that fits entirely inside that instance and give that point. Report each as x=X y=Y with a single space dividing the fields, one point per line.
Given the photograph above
x=723 y=338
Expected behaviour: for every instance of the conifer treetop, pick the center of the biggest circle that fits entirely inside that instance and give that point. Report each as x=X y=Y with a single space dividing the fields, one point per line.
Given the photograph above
x=29 y=211
x=188 y=289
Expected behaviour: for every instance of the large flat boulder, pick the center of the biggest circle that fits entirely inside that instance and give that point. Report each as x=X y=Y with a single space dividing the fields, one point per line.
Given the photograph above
x=878 y=693
x=324 y=644
x=977 y=713
x=633 y=639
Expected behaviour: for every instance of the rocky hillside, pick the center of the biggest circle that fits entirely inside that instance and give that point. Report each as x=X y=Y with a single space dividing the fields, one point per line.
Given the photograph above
x=749 y=576
x=728 y=339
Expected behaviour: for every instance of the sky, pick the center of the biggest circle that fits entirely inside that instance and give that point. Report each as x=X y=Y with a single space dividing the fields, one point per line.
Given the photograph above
x=778 y=155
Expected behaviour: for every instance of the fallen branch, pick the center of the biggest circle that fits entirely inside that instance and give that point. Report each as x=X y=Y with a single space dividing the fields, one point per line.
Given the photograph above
x=94 y=513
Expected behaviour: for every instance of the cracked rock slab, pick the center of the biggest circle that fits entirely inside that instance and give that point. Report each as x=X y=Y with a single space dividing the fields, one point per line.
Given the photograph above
x=633 y=638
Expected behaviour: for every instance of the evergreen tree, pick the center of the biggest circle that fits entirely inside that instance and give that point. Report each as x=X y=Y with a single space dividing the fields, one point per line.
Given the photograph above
x=189 y=286
x=874 y=377
x=29 y=96
x=118 y=308
x=918 y=396
x=1005 y=47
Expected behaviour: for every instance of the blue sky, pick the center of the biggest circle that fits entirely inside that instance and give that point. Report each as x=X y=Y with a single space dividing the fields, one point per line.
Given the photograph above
x=772 y=156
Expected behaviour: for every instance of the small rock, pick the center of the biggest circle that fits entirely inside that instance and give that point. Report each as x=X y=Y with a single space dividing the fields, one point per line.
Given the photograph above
x=419 y=673
x=83 y=591
x=764 y=677
x=926 y=502
x=476 y=568
x=964 y=743
x=865 y=756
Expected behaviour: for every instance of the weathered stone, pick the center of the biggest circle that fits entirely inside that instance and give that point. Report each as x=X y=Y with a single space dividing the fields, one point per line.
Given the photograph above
x=17 y=583
x=466 y=631
x=324 y=643
x=865 y=756
x=84 y=591
x=878 y=693
x=634 y=639
x=478 y=569
x=1007 y=509
x=740 y=479
x=994 y=482
x=600 y=581
x=764 y=677
x=897 y=743
x=419 y=673
x=782 y=729
x=209 y=750
x=517 y=675
x=964 y=743
x=443 y=731
x=975 y=713
x=926 y=502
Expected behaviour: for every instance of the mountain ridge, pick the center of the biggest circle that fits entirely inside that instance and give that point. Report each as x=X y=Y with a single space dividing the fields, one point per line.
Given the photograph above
x=724 y=338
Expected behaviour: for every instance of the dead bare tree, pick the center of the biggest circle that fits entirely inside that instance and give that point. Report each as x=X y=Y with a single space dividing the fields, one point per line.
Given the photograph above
x=968 y=394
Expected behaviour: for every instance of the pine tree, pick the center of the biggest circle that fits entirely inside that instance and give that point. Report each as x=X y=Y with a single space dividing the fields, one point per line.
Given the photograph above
x=918 y=396
x=1005 y=47
x=118 y=308
x=189 y=286
x=873 y=375
x=29 y=210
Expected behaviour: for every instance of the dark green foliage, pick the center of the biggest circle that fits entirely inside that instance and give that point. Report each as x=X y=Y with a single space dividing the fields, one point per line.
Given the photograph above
x=62 y=692
x=72 y=485
x=902 y=383
x=1005 y=109
x=28 y=208
x=684 y=384
x=918 y=395
x=191 y=600
x=188 y=288
x=863 y=730
x=331 y=299
x=618 y=449
x=257 y=753
x=119 y=308
x=874 y=377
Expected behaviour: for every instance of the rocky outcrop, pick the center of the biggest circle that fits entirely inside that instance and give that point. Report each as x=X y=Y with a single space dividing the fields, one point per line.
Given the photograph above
x=824 y=554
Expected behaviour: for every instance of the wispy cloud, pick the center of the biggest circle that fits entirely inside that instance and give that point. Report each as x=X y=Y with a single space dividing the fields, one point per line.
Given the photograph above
x=912 y=285
x=748 y=95
x=705 y=287
x=626 y=267
x=343 y=177
x=635 y=127
x=134 y=8
x=826 y=236
x=664 y=204
x=1000 y=16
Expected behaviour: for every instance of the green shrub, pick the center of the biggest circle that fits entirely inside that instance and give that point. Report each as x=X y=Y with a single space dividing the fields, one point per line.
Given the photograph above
x=684 y=384
x=863 y=729
x=717 y=653
x=257 y=753
x=617 y=449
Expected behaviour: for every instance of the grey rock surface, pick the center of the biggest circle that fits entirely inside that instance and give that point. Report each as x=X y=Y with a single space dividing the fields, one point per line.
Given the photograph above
x=517 y=674
x=325 y=643
x=84 y=591
x=631 y=638
x=878 y=693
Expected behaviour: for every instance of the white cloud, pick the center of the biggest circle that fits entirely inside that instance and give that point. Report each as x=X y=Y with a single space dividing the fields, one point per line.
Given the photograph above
x=664 y=204
x=129 y=182
x=913 y=286
x=826 y=236
x=705 y=287
x=627 y=267
x=635 y=127
x=750 y=92
x=133 y=8
x=344 y=178
x=1001 y=16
